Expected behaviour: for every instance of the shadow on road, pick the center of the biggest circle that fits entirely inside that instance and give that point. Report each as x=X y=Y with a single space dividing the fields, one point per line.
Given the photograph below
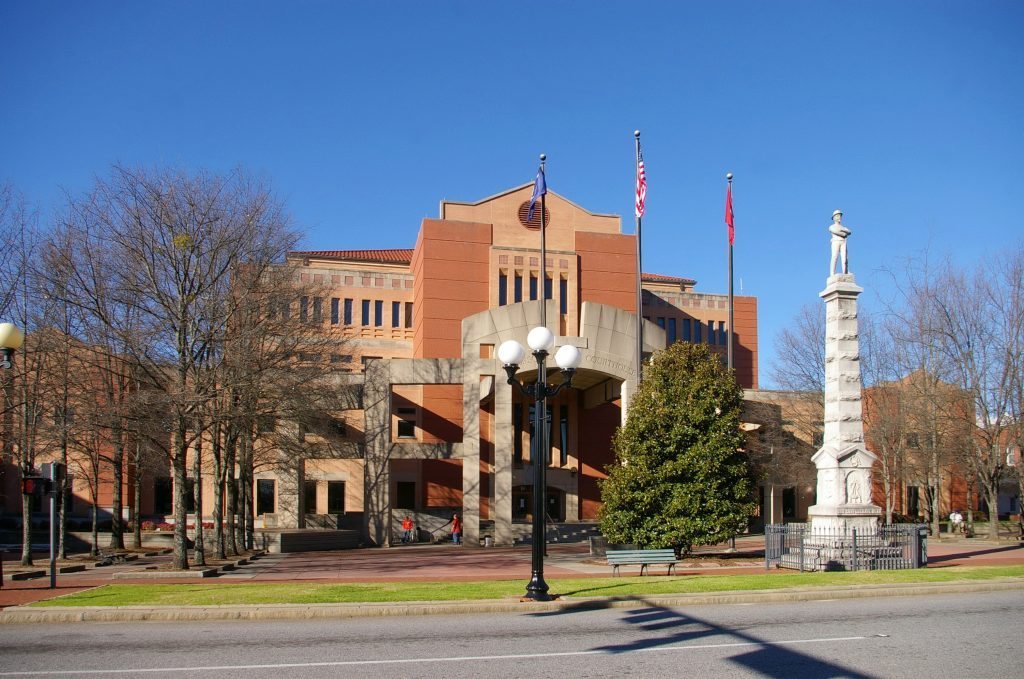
x=669 y=628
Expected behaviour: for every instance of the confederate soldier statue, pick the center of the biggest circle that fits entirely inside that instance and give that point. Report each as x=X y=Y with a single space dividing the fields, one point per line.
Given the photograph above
x=839 y=234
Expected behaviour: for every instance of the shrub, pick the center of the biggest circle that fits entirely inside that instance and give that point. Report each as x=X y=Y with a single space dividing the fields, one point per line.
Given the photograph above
x=680 y=477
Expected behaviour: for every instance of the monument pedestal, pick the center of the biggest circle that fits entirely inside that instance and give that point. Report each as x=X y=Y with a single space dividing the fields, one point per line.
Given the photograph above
x=843 y=463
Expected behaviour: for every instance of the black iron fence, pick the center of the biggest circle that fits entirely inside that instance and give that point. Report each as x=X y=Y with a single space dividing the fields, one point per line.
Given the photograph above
x=892 y=547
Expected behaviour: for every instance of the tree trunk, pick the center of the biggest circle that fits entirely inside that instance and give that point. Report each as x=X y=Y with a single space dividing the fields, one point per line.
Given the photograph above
x=199 y=548
x=137 y=508
x=231 y=489
x=65 y=491
x=246 y=477
x=26 y=529
x=94 y=548
x=993 y=511
x=970 y=502
x=217 y=459
x=117 y=497
x=180 y=561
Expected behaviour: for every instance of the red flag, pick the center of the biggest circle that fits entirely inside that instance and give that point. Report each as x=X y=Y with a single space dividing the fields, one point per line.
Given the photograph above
x=641 y=184
x=728 y=214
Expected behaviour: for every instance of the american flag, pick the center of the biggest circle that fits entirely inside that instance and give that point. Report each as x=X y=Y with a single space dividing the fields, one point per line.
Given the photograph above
x=641 y=184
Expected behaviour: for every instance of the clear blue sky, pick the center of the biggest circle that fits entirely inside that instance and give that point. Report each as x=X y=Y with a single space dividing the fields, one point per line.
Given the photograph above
x=909 y=116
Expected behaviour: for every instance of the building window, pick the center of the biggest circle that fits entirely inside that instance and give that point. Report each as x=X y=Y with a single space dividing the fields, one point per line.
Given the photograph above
x=671 y=331
x=697 y=327
x=502 y=288
x=163 y=495
x=533 y=287
x=335 y=497
x=563 y=431
x=365 y=313
x=190 y=495
x=306 y=357
x=408 y=314
x=686 y=328
x=661 y=322
x=723 y=336
x=265 y=496
x=563 y=296
x=913 y=441
x=913 y=501
x=378 y=313
x=711 y=332
x=303 y=309
x=789 y=503
x=348 y=312
x=818 y=439
x=405 y=495
x=547 y=287
x=310 y=492
x=517 y=436
x=335 y=316
x=396 y=314
x=518 y=288
x=549 y=424
x=406 y=423
x=318 y=310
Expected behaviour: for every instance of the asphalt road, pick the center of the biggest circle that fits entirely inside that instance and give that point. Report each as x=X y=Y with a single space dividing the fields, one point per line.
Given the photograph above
x=962 y=635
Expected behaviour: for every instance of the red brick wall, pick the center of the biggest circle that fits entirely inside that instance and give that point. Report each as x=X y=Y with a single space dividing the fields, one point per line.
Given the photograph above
x=607 y=269
x=451 y=265
x=596 y=430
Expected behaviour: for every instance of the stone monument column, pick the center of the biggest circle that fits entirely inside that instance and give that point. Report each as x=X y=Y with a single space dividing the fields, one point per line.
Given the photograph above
x=843 y=463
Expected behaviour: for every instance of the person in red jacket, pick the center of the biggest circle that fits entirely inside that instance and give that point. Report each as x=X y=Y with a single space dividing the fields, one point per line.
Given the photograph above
x=407 y=529
x=456 y=529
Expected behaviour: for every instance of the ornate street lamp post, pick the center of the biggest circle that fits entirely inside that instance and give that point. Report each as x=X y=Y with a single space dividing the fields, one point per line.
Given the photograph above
x=511 y=353
x=11 y=339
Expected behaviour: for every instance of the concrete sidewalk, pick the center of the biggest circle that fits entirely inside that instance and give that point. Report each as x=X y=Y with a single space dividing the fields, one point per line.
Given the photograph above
x=451 y=563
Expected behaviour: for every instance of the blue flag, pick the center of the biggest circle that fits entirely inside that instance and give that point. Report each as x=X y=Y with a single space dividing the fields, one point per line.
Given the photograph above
x=540 y=188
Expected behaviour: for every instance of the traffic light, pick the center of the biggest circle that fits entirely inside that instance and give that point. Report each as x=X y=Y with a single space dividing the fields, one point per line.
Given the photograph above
x=32 y=484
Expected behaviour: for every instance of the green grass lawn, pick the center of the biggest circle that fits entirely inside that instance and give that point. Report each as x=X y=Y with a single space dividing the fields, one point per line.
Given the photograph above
x=210 y=594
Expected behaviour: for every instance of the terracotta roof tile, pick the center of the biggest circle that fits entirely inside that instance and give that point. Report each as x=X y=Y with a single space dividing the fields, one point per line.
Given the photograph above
x=398 y=256
x=660 y=278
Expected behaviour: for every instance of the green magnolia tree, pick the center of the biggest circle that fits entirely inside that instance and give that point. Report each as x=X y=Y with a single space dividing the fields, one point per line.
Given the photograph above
x=680 y=478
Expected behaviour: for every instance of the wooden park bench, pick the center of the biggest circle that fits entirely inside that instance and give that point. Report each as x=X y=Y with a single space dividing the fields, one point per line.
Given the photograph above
x=642 y=557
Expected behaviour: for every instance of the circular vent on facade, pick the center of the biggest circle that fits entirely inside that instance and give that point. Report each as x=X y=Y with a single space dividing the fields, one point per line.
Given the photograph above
x=524 y=211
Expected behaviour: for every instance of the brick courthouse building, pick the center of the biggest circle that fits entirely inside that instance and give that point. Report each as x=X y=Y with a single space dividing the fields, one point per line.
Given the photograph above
x=439 y=429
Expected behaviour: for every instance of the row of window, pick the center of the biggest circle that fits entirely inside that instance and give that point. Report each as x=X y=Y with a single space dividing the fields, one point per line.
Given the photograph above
x=266 y=496
x=562 y=442
x=342 y=311
x=693 y=330
x=533 y=289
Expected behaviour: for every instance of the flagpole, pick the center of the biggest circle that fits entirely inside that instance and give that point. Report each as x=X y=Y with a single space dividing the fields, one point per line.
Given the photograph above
x=543 y=252
x=639 y=282
x=729 y=363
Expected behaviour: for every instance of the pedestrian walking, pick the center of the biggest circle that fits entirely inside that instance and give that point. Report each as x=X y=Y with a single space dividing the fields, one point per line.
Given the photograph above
x=456 y=529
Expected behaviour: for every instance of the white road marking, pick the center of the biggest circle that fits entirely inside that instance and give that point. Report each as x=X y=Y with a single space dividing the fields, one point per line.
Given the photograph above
x=409 y=661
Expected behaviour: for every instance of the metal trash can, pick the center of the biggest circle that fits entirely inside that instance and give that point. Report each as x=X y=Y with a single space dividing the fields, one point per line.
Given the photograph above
x=920 y=552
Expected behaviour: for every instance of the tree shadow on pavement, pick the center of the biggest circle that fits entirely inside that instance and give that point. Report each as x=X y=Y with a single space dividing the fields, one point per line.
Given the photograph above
x=969 y=554
x=765 y=657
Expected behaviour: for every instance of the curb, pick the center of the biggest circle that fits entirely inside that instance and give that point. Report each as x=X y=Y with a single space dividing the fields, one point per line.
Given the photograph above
x=32 y=615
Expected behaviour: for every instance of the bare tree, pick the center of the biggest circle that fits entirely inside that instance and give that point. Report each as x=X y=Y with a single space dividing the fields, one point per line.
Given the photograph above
x=959 y=322
x=167 y=244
